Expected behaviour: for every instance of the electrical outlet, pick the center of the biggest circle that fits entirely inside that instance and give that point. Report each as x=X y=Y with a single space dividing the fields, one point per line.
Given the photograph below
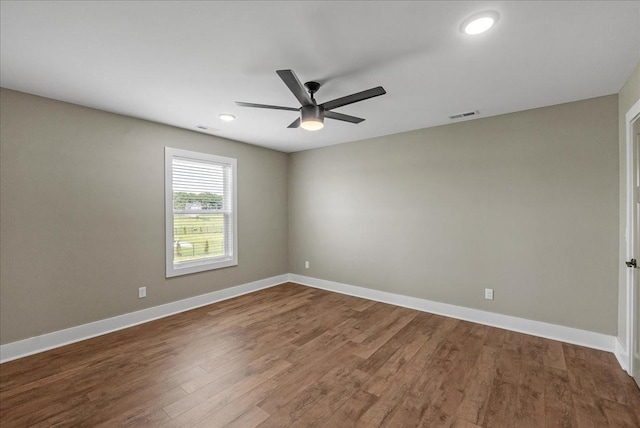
x=306 y=264
x=488 y=293
x=142 y=292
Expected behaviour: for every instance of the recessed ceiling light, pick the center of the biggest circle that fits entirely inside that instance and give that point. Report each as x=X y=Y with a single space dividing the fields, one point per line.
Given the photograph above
x=226 y=117
x=479 y=23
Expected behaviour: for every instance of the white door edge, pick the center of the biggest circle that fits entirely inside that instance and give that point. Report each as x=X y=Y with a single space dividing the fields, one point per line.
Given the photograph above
x=631 y=116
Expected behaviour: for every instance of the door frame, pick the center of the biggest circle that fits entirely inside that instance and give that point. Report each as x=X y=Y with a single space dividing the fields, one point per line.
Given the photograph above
x=631 y=117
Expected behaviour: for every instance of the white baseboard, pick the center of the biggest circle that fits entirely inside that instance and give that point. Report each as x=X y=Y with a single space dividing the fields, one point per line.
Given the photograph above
x=575 y=336
x=621 y=355
x=34 y=345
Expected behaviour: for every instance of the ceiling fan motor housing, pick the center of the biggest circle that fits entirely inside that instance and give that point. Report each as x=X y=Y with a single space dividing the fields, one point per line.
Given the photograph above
x=312 y=112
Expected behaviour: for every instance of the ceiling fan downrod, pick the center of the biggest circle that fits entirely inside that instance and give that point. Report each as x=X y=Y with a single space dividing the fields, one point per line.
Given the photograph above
x=312 y=88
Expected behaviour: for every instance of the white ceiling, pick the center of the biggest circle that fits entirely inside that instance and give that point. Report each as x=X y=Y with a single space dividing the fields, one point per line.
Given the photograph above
x=183 y=63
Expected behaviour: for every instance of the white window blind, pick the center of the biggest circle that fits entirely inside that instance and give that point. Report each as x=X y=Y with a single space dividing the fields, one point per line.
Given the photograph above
x=200 y=203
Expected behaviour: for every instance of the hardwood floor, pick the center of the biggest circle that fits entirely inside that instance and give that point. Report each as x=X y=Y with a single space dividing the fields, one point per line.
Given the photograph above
x=300 y=357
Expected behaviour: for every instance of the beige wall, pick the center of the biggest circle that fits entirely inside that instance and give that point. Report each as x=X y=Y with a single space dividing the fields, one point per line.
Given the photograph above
x=627 y=97
x=525 y=203
x=82 y=215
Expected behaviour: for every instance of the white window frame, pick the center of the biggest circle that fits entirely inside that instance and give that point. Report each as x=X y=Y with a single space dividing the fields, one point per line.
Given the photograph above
x=231 y=237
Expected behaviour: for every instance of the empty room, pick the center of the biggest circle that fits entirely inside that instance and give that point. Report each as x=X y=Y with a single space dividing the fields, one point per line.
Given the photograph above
x=320 y=214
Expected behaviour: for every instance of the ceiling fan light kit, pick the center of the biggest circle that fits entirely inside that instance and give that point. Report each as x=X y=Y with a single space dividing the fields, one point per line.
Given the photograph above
x=312 y=114
x=312 y=118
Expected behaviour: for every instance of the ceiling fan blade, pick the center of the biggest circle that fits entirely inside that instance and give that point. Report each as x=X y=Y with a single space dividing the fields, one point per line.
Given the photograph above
x=354 y=98
x=343 y=117
x=241 y=104
x=295 y=124
x=291 y=80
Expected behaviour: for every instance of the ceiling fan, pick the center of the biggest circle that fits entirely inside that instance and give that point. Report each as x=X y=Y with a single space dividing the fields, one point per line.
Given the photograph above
x=312 y=114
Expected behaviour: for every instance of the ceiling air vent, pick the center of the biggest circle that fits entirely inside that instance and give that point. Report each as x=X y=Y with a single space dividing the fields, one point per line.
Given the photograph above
x=207 y=128
x=468 y=114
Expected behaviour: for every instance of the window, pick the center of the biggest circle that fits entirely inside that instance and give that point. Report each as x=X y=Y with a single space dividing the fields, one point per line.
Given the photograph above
x=200 y=204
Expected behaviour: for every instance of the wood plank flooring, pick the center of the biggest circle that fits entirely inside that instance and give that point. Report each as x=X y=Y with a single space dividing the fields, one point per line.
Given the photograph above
x=292 y=356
